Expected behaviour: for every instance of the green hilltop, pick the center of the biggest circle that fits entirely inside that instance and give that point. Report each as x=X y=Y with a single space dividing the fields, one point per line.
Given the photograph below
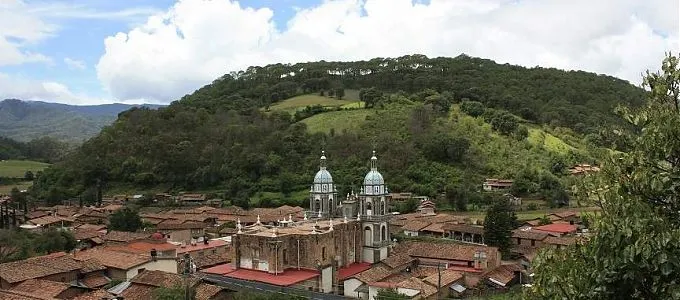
x=438 y=125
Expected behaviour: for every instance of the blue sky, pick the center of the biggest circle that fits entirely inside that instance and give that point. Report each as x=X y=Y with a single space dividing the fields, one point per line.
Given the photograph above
x=55 y=50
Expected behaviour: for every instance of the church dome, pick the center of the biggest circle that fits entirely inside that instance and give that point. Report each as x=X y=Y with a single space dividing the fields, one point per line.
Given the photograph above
x=374 y=178
x=323 y=176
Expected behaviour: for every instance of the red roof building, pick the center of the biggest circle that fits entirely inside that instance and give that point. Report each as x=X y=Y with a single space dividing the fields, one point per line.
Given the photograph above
x=557 y=228
x=352 y=270
x=287 y=278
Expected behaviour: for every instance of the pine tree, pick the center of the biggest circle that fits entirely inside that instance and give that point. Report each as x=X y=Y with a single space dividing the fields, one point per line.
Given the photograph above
x=498 y=225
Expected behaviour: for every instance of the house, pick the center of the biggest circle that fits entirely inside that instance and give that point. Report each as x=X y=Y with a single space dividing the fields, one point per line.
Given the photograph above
x=16 y=295
x=91 y=216
x=191 y=199
x=47 y=288
x=54 y=267
x=182 y=232
x=124 y=237
x=504 y=276
x=426 y=207
x=529 y=237
x=583 y=169
x=51 y=222
x=412 y=228
x=465 y=233
x=142 y=286
x=123 y=265
x=571 y=217
x=493 y=184
x=559 y=229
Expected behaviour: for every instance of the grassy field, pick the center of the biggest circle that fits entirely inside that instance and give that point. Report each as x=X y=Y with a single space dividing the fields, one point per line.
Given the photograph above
x=338 y=120
x=6 y=189
x=17 y=168
x=538 y=137
x=293 y=104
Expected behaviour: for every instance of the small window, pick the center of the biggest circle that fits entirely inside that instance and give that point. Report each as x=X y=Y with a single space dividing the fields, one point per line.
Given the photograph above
x=285 y=256
x=140 y=270
x=214 y=251
x=533 y=242
x=323 y=253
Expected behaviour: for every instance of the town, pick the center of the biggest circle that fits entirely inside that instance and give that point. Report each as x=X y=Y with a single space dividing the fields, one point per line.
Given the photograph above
x=340 y=247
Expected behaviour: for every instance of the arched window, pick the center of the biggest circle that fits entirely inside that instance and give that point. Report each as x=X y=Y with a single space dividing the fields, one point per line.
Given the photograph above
x=383 y=206
x=369 y=208
x=317 y=205
x=383 y=233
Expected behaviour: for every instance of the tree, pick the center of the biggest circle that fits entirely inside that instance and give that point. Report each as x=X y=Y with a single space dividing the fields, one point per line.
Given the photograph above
x=472 y=108
x=457 y=196
x=177 y=292
x=390 y=294
x=339 y=93
x=370 y=96
x=633 y=253
x=499 y=222
x=409 y=206
x=28 y=175
x=125 y=219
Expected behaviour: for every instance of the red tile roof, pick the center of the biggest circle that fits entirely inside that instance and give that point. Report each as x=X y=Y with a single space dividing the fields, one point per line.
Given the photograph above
x=352 y=269
x=45 y=287
x=287 y=278
x=201 y=246
x=558 y=228
x=219 y=269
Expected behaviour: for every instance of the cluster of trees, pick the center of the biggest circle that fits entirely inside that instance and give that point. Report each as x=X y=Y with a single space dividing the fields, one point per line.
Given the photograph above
x=219 y=139
x=633 y=253
x=43 y=149
x=21 y=244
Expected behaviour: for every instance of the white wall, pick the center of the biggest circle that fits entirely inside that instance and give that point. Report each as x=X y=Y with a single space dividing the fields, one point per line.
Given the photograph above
x=350 y=285
x=383 y=253
x=165 y=265
x=407 y=292
x=246 y=263
x=327 y=280
x=410 y=233
x=263 y=265
x=367 y=255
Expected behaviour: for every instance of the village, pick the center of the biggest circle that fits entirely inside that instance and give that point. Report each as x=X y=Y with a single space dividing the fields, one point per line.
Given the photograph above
x=337 y=248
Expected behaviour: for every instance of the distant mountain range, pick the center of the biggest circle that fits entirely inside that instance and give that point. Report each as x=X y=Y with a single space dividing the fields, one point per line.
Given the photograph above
x=28 y=120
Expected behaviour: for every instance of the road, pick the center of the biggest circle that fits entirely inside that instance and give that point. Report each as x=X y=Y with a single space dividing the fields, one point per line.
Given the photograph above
x=245 y=285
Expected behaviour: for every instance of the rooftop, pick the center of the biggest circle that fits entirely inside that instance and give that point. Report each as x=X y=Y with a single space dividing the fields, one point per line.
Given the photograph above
x=557 y=228
x=201 y=246
x=38 y=267
x=352 y=269
x=124 y=236
x=219 y=269
x=287 y=278
x=45 y=287
x=113 y=259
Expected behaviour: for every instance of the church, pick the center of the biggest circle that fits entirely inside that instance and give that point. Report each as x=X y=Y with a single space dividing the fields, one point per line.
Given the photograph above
x=333 y=235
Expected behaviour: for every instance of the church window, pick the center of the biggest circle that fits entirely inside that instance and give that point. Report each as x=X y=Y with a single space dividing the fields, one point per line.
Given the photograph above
x=377 y=190
x=325 y=187
x=383 y=233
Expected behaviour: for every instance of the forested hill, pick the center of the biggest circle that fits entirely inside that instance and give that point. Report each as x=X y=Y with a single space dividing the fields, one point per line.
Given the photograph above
x=437 y=124
x=28 y=120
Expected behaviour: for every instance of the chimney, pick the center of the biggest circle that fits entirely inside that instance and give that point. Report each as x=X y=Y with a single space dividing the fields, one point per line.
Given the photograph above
x=154 y=254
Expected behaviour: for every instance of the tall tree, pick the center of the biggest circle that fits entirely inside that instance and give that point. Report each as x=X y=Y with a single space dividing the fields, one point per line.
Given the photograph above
x=634 y=251
x=499 y=222
x=125 y=219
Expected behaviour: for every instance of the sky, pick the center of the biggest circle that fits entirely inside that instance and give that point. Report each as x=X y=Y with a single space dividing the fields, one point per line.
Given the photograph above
x=156 y=51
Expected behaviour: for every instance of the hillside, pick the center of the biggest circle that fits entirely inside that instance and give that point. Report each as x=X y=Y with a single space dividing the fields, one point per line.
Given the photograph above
x=441 y=124
x=28 y=120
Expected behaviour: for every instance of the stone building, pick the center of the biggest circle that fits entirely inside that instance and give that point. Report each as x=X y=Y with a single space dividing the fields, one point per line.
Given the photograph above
x=333 y=235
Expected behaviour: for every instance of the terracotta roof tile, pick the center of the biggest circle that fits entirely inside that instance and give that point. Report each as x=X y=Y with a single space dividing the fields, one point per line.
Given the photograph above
x=138 y=292
x=206 y=291
x=529 y=234
x=157 y=279
x=564 y=241
x=475 y=229
x=45 y=287
x=96 y=280
x=446 y=251
x=15 y=295
x=174 y=224
x=504 y=273
x=374 y=274
x=558 y=228
x=38 y=267
x=94 y=295
x=415 y=225
x=425 y=289
x=447 y=277
x=124 y=236
x=83 y=234
x=394 y=261
x=112 y=259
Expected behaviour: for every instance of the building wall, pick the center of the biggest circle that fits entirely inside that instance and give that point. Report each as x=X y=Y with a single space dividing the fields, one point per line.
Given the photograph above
x=339 y=248
x=165 y=265
x=349 y=286
x=526 y=242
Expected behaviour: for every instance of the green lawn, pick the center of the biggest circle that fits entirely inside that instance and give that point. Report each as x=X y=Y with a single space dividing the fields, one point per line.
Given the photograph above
x=300 y=102
x=6 y=189
x=538 y=137
x=17 y=168
x=339 y=120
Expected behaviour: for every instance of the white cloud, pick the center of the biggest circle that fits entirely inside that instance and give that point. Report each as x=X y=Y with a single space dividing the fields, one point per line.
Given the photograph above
x=27 y=89
x=74 y=64
x=27 y=23
x=196 y=41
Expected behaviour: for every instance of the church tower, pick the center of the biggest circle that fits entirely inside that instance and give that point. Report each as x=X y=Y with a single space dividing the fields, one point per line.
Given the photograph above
x=374 y=215
x=323 y=194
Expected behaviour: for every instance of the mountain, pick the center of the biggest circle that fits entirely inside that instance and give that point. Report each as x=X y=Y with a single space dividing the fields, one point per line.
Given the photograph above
x=438 y=125
x=28 y=120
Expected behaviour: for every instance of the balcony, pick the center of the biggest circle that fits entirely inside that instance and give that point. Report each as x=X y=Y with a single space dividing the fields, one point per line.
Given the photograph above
x=375 y=218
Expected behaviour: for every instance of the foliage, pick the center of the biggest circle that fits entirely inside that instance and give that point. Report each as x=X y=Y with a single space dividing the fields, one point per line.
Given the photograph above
x=177 y=292
x=472 y=108
x=634 y=250
x=408 y=206
x=21 y=244
x=390 y=294
x=125 y=219
x=499 y=222
x=220 y=139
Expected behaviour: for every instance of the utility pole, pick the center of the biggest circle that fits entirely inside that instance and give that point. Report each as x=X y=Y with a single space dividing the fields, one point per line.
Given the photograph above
x=439 y=279
x=187 y=274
